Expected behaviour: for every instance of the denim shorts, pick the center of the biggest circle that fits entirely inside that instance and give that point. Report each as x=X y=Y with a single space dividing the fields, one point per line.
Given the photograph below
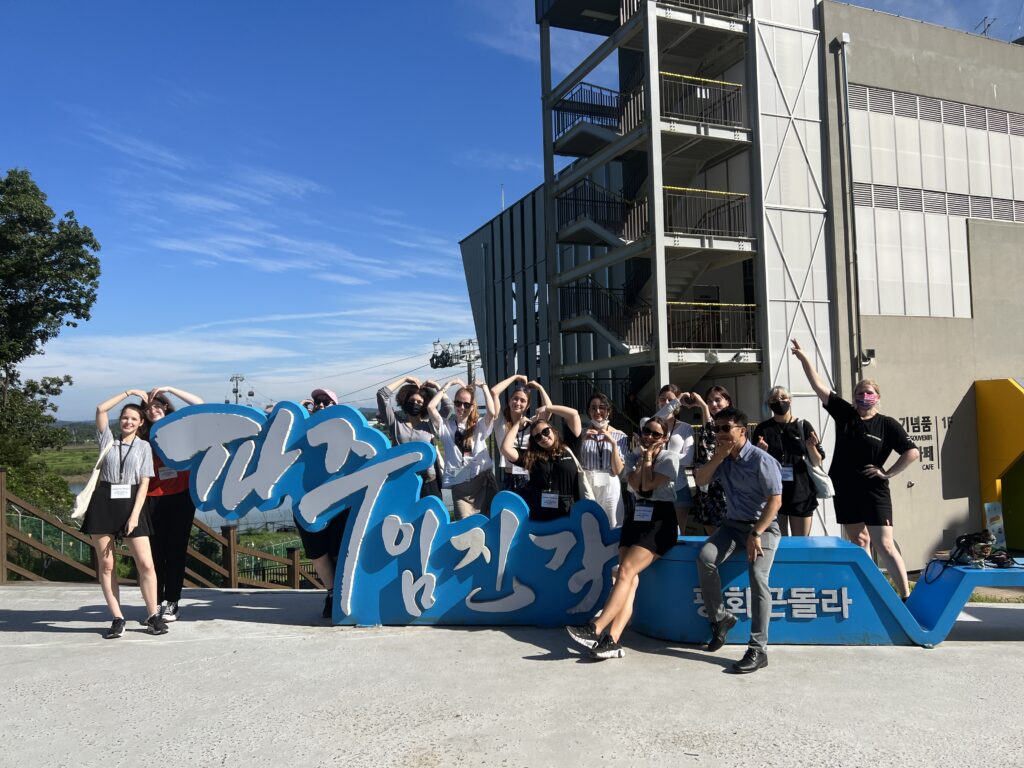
x=683 y=496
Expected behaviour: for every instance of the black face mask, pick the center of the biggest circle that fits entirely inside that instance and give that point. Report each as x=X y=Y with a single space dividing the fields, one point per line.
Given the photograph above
x=413 y=409
x=779 y=408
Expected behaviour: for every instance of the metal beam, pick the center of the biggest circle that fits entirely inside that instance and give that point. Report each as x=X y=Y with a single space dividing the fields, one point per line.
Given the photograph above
x=618 y=361
x=609 y=259
x=599 y=54
x=584 y=168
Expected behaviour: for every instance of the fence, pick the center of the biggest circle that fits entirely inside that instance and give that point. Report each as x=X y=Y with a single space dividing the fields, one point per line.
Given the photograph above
x=705 y=212
x=704 y=325
x=707 y=101
x=38 y=546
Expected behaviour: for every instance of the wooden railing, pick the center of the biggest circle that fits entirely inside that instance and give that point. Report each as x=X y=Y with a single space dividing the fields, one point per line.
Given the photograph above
x=221 y=570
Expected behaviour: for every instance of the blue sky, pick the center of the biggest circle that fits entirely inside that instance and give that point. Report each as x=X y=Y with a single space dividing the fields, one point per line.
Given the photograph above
x=279 y=188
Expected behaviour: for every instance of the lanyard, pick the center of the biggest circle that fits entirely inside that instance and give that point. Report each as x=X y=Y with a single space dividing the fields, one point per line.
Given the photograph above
x=124 y=457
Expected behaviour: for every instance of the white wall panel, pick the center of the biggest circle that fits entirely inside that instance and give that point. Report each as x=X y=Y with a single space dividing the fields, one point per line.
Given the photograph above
x=860 y=145
x=955 y=142
x=883 y=149
x=890 y=262
x=960 y=267
x=908 y=151
x=1017 y=159
x=867 y=268
x=1002 y=170
x=940 y=278
x=915 y=263
x=979 y=168
x=933 y=156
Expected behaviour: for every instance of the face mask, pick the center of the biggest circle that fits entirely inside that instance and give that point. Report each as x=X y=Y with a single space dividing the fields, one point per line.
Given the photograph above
x=599 y=423
x=867 y=400
x=779 y=408
x=413 y=409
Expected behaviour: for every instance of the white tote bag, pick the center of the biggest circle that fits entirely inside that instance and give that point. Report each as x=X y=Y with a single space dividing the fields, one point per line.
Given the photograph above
x=85 y=495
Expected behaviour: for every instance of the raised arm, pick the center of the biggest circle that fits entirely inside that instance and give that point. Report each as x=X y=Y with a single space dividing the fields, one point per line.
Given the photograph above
x=698 y=402
x=508 y=445
x=545 y=398
x=489 y=401
x=821 y=389
x=103 y=409
x=385 y=411
x=504 y=384
x=570 y=415
x=181 y=394
x=394 y=385
x=435 y=401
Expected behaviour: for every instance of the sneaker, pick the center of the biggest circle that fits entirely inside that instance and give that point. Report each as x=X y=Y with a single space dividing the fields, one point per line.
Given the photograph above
x=155 y=625
x=116 y=629
x=719 y=631
x=328 y=604
x=586 y=635
x=607 y=649
x=169 y=611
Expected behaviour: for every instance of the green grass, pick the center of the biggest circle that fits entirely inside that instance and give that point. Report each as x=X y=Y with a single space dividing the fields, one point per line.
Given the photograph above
x=71 y=460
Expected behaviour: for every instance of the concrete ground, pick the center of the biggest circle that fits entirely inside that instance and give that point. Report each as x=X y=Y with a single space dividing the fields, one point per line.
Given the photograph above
x=257 y=678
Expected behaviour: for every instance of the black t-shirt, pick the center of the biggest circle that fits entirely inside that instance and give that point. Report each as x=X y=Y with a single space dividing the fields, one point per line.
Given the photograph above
x=862 y=442
x=558 y=476
x=787 y=443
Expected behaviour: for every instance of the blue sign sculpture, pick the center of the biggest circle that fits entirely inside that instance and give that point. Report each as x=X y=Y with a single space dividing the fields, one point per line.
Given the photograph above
x=402 y=560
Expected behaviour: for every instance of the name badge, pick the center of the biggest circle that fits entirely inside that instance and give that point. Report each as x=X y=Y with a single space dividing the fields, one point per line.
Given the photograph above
x=643 y=513
x=517 y=470
x=599 y=479
x=787 y=473
x=549 y=500
x=166 y=473
x=120 y=491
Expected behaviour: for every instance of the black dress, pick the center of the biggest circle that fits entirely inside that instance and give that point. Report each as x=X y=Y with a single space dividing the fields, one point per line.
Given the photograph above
x=787 y=443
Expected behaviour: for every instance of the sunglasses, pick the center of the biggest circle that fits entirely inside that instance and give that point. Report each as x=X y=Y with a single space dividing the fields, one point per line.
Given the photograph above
x=720 y=428
x=546 y=432
x=462 y=403
x=652 y=433
x=323 y=402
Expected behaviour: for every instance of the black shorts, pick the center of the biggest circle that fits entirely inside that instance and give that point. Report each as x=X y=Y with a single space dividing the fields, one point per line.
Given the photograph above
x=853 y=507
x=326 y=541
x=658 y=535
x=108 y=517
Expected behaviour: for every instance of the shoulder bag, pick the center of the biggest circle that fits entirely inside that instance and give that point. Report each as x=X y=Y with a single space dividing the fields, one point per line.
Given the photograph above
x=586 y=492
x=85 y=495
x=823 y=488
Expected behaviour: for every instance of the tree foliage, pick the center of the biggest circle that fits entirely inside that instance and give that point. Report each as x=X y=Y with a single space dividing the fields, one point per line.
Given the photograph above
x=49 y=276
x=49 y=273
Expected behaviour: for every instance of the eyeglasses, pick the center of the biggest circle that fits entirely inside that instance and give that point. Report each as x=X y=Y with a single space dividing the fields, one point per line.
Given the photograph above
x=651 y=433
x=546 y=432
x=462 y=403
x=720 y=428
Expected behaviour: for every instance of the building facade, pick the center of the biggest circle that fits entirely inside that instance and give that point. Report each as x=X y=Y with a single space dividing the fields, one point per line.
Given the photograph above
x=768 y=170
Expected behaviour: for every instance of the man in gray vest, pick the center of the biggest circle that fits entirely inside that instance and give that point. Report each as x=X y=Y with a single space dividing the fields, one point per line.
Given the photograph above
x=753 y=490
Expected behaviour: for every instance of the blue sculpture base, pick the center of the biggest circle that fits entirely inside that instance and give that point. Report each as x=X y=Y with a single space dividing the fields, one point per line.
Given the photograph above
x=826 y=591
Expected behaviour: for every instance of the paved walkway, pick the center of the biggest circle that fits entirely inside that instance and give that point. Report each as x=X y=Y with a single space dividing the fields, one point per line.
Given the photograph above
x=256 y=678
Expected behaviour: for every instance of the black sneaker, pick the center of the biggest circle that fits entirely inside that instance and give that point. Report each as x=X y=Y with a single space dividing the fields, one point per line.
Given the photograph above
x=719 y=630
x=155 y=625
x=116 y=629
x=585 y=635
x=607 y=649
x=328 y=604
x=169 y=612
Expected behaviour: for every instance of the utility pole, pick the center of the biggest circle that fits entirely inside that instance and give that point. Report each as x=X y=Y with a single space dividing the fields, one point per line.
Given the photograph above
x=236 y=380
x=452 y=354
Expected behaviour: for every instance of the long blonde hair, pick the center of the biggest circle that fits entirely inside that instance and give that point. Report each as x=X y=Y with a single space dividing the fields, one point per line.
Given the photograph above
x=471 y=419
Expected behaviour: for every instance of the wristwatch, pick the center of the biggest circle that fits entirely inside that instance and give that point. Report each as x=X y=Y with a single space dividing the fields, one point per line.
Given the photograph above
x=755 y=534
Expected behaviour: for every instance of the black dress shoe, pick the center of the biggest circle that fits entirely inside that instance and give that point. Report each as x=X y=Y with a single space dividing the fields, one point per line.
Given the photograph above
x=752 y=661
x=719 y=630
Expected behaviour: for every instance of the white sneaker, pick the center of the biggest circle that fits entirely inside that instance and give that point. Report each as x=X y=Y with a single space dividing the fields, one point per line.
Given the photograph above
x=169 y=611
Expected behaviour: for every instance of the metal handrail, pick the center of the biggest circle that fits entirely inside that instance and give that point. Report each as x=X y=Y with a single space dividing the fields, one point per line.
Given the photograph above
x=715 y=102
x=705 y=212
x=587 y=103
x=735 y=9
x=711 y=325
x=629 y=322
x=587 y=199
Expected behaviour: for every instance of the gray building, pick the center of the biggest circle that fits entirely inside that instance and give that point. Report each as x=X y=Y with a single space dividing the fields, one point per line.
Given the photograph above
x=768 y=170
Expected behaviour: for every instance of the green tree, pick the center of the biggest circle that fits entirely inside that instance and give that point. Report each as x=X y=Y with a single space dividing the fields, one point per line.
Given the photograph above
x=49 y=275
